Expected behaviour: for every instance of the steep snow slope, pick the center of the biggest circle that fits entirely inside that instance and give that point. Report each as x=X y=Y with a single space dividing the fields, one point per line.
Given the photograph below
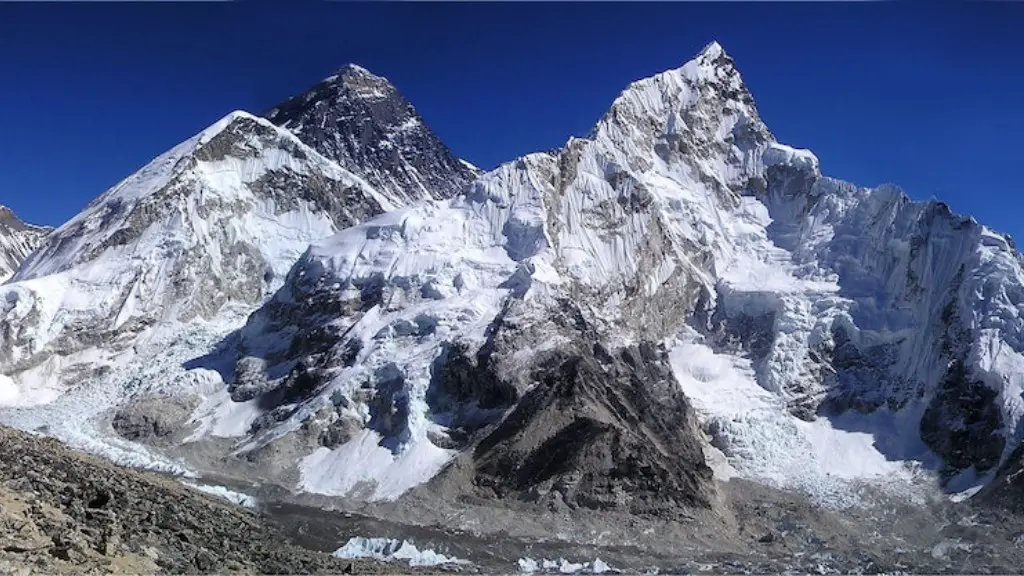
x=361 y=121
x=17 y=241
x=217 y=220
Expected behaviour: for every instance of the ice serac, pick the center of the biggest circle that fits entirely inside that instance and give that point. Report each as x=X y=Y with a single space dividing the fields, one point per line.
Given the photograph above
x=361 y=121
x=17 y=241
x=215 y=222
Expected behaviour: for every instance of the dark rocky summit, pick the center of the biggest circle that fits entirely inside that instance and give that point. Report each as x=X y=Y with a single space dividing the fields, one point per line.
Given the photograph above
x=361 y=121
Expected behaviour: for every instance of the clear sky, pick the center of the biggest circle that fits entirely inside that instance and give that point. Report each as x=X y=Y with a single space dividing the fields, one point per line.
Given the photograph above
x=927 y=95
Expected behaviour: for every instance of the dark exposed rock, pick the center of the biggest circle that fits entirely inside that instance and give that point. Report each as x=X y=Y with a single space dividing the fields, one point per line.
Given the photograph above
x=962 y=422
x=148 y=419
x=1006 y=490
x=389 y=405
x=862 y=379
x=361 y=121
x=459 y=377
x=598 y=430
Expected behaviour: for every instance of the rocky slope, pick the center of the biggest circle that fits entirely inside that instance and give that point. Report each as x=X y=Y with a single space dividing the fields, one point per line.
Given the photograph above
x=17 y=241
x=361 y=121
x=64 y=512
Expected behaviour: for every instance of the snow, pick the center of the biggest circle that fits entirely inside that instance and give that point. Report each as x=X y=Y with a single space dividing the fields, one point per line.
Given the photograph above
x=78 y=416
x=243 y=500
x=762 y=441
x=179 y=268
x=17 y=241
x=363 y=459
x=9 y=392
x=563 y=566
x=218 y=416
x=629 y=213
x=390 y=550
x=781 y=155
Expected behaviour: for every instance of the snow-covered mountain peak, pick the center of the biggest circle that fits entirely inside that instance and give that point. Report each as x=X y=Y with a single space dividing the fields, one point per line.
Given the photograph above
x=223 y=164
x=361 y=121
x=711 y=67
x=357 y=82
x=11 y=222
x=17 y=241
x=214 y=223
x=712 y=51
x=355 y=76
x=615 y=236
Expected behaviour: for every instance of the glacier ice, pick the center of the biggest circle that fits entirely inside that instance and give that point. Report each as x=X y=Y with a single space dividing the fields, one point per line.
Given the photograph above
x=389 y=550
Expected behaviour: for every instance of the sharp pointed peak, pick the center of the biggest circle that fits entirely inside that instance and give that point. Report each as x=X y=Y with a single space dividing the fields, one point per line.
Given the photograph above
x=8 y=217
x=712 y=50
x=10 y=220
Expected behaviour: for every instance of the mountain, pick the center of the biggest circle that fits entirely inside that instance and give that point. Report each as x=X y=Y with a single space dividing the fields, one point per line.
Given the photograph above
x=361 y=121
x=610 y=326
x=212 y=224
x=17 y=241
x=801 y=315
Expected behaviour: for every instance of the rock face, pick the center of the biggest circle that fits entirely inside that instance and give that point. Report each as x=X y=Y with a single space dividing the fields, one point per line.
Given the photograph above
x=62 y=512
x=1007 y=488
x=599 y=431
x=17 y=241
x=362 y=122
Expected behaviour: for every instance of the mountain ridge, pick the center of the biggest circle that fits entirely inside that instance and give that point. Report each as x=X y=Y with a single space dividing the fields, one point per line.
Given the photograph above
x=17 y=240
x=800 y=316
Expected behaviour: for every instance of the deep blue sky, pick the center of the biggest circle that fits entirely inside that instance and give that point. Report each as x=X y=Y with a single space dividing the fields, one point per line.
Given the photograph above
x=929 y=96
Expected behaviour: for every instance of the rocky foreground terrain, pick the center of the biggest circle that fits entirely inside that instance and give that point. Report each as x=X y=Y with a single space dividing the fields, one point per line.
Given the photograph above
x=64 y=512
